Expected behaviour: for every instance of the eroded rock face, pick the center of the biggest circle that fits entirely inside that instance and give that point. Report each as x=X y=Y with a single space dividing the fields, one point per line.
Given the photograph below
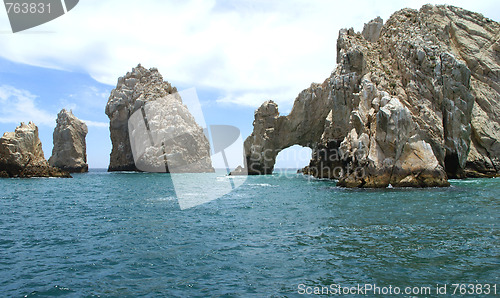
x=69 y=152
x=163 y=131
x=371 y=30
x=414 y=106
x=166 y=138
x=21 y=155
x=131 y=93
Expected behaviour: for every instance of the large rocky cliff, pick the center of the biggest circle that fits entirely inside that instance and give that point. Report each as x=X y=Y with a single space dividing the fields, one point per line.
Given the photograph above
x=166 y=136
x=21 y=155
x=70 y=151
x=131 y=92
x=411 y=102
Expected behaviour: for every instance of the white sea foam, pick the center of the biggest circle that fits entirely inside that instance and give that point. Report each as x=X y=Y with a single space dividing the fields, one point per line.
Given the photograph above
x=262 y=185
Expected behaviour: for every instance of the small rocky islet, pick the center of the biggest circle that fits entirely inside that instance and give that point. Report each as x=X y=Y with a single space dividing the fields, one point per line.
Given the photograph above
x=144 y=104
x=70 y=150
x=411 y=103
x=21 y=155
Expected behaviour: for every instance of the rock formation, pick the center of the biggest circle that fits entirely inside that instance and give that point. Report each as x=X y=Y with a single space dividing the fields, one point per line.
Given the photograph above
x=411 y=103
x=165 y=135
x=371 y=30
x=21 y=155
x=69 y=152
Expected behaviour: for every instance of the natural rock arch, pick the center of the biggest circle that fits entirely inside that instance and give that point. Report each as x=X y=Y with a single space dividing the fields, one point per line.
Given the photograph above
x=273 y=133
x=412 y=107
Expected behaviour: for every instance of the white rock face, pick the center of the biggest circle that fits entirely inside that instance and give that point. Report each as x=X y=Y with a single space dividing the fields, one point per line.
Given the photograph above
x=165 y=138
x=412 y=107
x=21 y=154
x=131 y=93
x=69 y=152
x=171 y=140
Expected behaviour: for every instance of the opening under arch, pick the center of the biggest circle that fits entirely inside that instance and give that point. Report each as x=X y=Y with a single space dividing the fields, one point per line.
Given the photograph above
x=293 y=157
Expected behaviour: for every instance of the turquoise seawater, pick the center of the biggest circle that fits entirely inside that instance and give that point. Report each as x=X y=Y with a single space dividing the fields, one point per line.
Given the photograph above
x=124 y=235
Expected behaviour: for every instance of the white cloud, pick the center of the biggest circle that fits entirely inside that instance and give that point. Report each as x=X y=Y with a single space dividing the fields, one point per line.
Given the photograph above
x=255 y=99
x=97 y=124
x=248 y=50
x=86 y=99
x=20 y=105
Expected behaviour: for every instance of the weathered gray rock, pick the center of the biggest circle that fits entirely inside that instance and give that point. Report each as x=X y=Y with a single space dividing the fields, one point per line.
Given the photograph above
x=417 y=106
x=69 y=152
x=170 y=128
x=21 y=155
x=371 y=30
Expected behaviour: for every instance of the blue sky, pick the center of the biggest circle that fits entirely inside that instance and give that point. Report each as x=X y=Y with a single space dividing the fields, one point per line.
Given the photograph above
x=237 y=54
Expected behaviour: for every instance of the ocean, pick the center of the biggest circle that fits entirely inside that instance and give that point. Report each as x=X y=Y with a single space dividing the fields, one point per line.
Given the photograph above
x=123 y=234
